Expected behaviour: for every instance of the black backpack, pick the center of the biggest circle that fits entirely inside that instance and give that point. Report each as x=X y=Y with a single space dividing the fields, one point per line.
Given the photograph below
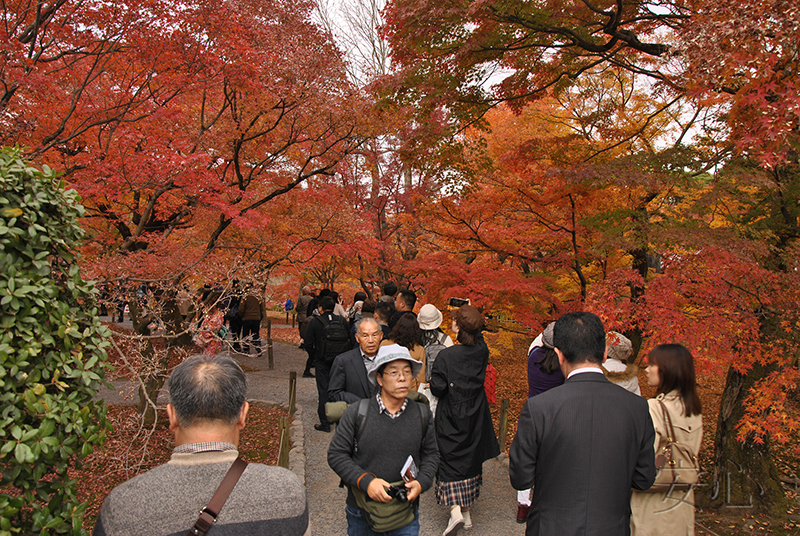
x=335 y=337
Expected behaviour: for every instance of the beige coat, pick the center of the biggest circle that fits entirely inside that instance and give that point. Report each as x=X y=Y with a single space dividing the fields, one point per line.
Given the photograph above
x=657 y=514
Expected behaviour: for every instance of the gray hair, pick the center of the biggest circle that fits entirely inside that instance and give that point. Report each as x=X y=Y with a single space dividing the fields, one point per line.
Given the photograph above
x=367 y=319
x=206 y=388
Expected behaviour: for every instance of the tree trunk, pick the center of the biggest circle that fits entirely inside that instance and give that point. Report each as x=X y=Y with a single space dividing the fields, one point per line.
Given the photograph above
x=156 y=363
x=745 y=478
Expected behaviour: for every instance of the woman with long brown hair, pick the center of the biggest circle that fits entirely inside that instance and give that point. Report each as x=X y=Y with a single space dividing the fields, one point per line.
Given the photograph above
x=407 y=334
x=671 y=370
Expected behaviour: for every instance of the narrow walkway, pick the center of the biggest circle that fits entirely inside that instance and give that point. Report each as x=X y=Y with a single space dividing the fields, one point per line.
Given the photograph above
x=493 y=513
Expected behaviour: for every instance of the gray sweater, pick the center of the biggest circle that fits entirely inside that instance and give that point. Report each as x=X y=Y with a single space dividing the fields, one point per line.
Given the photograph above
x=384 y=446
x=167 y=500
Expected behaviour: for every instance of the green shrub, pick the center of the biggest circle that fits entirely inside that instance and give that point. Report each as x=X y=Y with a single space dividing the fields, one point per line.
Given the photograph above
x=52 y=352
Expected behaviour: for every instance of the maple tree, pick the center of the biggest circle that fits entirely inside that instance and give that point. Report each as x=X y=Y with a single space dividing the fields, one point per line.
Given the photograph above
x=725 y=74
x=180 y=126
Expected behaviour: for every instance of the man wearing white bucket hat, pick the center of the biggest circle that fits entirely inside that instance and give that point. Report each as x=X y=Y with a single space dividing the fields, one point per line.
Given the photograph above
x=384 y=444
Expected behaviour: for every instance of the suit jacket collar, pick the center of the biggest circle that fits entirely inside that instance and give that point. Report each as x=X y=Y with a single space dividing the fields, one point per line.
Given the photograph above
x=588 y=377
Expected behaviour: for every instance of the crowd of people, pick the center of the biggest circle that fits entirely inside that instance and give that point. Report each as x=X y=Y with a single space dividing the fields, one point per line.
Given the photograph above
x=584 y=458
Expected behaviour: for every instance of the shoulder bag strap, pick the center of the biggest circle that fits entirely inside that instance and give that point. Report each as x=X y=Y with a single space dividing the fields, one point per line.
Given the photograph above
x=441 y=337
x=361 y=416
x=670 y=438
x=208 y=515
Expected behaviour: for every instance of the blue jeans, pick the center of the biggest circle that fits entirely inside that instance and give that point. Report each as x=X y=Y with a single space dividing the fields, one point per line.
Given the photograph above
x=357 y=525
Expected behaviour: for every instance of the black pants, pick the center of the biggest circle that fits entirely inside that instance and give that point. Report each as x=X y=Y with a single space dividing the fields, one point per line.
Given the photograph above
x=251 y=327
x=235 y=325
x=309 y=361
x=323 y=375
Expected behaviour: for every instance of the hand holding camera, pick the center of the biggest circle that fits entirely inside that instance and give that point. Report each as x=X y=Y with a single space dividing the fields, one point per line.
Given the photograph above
x=398 y=492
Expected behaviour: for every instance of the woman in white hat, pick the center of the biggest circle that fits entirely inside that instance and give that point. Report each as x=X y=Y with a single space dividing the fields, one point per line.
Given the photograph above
x=433 y=338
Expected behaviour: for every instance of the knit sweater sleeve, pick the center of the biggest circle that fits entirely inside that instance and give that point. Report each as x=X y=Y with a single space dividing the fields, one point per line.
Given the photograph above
x=341 y=449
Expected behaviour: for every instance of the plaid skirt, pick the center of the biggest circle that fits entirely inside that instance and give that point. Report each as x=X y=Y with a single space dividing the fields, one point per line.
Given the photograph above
x=461 y=492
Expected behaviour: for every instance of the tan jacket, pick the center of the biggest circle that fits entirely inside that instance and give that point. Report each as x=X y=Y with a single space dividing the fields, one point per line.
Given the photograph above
x=656 y=514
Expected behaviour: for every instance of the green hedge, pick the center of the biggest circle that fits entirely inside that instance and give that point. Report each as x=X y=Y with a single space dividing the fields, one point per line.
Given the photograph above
x=52 y=352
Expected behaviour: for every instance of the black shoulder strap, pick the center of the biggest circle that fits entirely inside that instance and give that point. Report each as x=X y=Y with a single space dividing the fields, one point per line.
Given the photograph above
x=361 y=417
x=425 y=415
x=363 y=407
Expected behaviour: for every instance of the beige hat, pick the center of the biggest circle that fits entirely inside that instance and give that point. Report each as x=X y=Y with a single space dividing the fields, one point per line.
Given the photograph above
x=429 y=317
x=619 y=346
x=547 y=336
x=393 y=352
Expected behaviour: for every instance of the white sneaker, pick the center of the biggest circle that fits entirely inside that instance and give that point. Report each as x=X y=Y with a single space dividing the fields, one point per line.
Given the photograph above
x=453 y=526
x=467 y=519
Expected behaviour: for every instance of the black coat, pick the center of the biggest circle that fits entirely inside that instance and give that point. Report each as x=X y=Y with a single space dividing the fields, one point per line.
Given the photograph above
x=582 y=446
x=349 y=382
x=464 y=428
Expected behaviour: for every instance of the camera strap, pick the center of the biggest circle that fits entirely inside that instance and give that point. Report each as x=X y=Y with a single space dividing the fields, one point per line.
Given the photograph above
x=208 y=515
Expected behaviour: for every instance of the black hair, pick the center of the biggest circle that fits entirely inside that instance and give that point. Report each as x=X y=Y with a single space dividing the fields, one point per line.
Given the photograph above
x=360 y=296
x=580 y=337
x=384 y=310
x=406 y=331
x=368 y=306
x=549 y=363
x=327 y=304
x=390 y=289
x=431 y=336
x=409 y=298
x=676 y=372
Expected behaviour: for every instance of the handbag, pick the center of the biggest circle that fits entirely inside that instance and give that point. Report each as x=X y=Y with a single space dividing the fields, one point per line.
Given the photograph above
x=676 y=464
x=384 y=517
x=490 y=384
x=335 y=410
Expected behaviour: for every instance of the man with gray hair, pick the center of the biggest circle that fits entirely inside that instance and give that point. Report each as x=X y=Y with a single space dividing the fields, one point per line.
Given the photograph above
x=350 y=380
x=207 y=411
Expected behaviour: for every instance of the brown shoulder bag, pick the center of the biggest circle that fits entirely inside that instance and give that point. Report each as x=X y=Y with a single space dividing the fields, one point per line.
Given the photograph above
x=676 y=464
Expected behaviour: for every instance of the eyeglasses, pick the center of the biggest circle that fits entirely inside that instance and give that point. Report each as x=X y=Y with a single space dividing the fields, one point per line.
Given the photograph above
x=395 y=373
x=370 y=336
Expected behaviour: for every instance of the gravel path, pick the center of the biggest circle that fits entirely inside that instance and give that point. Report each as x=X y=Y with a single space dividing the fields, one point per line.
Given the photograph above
x=493 y=513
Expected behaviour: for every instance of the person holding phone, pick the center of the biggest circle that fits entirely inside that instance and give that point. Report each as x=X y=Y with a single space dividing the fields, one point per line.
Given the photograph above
x=464 y=426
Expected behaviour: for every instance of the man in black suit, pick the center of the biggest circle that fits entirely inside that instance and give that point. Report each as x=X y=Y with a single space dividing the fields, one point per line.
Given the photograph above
x=583 y=445
x=349 y=381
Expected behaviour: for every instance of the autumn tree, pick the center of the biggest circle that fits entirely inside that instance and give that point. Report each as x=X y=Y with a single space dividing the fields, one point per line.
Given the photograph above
x=726 y=73
x=179 y=126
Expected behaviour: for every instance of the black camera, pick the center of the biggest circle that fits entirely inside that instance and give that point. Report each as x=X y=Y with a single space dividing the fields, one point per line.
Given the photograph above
x=398 y=492
x=458 y=302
